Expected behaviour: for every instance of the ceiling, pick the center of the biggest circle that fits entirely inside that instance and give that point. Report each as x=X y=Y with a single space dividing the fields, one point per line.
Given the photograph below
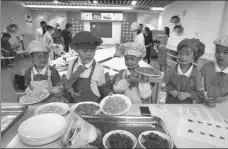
x=139 y=3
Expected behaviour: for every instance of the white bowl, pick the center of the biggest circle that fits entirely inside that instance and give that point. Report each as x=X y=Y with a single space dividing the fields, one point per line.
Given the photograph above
x=124 y=132
x=73 y=107
x=42 y=127
x=64 y=106
x=170 y=141
x=127 y=100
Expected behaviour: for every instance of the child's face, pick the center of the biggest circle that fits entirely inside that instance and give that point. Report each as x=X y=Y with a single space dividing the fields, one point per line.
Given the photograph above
x=40 y=59
x=186 y=54
x=86 y=55
x=221 y=55
x=131 y=61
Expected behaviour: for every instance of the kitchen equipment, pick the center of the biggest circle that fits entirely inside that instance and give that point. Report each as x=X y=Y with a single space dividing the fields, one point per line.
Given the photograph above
x=133 y=124
x=10 y=114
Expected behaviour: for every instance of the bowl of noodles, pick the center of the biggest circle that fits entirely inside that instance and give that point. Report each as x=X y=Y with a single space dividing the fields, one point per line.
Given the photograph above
x=85 y=108
x=116 y=104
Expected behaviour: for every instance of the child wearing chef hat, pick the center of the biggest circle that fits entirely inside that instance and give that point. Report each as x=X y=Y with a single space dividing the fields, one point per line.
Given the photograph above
x=184 y=81
x=40 y=76
x=49 y=43
x=215 y=74
x=135 y=28
x=85 y=78
x=125 y=82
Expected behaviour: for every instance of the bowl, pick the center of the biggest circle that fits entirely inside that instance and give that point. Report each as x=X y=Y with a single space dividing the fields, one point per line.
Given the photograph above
x=124 y=132
x=73 y=107
x=170 y=141
x=125 y=98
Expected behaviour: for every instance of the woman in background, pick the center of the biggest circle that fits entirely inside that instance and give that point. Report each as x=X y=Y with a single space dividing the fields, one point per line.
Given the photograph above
x=148 y=43
x=162 y=52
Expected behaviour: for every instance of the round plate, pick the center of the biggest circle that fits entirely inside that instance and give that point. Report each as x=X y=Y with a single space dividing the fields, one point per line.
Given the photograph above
x=124 y=132
x=140 y=70
x=28 y=98
x=127 y=100
x=171 y=144
x=63 y=106
x=41 y=127
x=73 y=107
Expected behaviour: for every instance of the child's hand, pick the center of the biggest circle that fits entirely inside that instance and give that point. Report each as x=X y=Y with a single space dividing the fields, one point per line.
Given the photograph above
x=132 y=79
x=174 y=93
x=183 y=96
x=110 y=94
x=210 y=103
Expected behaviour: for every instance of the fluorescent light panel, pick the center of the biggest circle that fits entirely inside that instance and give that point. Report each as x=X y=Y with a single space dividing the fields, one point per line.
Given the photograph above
x=157 y=8
x=79 y=7
x=133 y=3
x=95 y=2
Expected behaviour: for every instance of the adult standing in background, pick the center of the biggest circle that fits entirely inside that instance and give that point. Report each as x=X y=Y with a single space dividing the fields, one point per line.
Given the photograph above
x=67 y=36
x=135 y=28
x=40 y=31
x=57 y=35
x=141 y=27
x=148 y=43
x=162 y=51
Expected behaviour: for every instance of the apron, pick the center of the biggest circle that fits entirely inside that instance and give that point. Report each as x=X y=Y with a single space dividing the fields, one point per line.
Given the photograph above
x=180 y=83
x=83 y=84
x=132 y=93
x=42 y=84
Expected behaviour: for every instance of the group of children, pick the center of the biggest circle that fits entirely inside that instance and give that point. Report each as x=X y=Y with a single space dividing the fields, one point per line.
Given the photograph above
x=85 y=78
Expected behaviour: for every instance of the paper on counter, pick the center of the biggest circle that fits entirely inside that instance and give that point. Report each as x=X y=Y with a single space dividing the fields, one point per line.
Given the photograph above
x=202 y=125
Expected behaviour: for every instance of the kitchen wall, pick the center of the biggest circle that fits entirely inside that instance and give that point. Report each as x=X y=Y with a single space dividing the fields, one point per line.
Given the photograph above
x=148 y=19
x=202 y=20
x=17 y=13
x=224 y=24
x=51 y=17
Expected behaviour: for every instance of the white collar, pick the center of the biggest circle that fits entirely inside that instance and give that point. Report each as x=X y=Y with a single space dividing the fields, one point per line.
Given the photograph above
x=187 y=74
x=218 y=69
x=44 y=70
x=88 y=65
x=128 y=72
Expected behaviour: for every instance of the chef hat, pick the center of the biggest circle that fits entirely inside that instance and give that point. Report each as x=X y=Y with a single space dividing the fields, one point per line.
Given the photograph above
x=195 y=44
x=52 y=23
x=222 y=41
x=134 y=48
x=134 y=26
x=36 y=46
x=86 y=40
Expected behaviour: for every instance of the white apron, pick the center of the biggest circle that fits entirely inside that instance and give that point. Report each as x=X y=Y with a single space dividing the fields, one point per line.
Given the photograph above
x=42 y=84
x=132 y=93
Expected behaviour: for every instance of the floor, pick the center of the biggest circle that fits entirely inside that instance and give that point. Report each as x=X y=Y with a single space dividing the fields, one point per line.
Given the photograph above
x=7 y=90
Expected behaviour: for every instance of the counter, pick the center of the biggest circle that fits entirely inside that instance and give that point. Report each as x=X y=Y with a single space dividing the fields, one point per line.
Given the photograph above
x=169 y=115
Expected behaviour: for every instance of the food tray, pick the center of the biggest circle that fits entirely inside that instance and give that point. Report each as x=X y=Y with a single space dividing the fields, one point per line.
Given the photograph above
x=134 y=124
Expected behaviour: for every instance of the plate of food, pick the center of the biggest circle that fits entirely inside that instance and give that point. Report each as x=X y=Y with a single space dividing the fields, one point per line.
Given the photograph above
x=155 y=139
x=54 y=107
x=116 y=104
x=148 y=71
x=34 y=96
x=119 y=139
x=85 y=108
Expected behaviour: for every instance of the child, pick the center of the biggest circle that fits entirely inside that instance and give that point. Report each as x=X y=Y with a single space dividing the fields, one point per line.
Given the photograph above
x=216 y=73
x=40 y=76
x=184 y=81
x=85 y=79
x=125 y=82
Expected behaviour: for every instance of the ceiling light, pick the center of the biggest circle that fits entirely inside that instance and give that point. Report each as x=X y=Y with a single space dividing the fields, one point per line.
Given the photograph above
x=55 y=1
x=95 y=2
x=78 y=7
x=134 y=3
x=157 y=8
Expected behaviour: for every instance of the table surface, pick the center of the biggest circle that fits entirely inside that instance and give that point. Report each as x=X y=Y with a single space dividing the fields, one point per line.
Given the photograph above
x=169 y=115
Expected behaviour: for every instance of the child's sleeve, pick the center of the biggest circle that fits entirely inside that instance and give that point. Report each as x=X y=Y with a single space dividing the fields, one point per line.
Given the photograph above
x=120 y=85
x=103 y=87
x=55 y=77
x=27 y=77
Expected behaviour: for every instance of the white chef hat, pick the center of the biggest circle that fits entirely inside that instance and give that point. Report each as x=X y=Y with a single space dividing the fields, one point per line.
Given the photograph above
x=222 y=41
x=134 y=48
x=36 y=46
x=134 y=26
x=52 y=23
